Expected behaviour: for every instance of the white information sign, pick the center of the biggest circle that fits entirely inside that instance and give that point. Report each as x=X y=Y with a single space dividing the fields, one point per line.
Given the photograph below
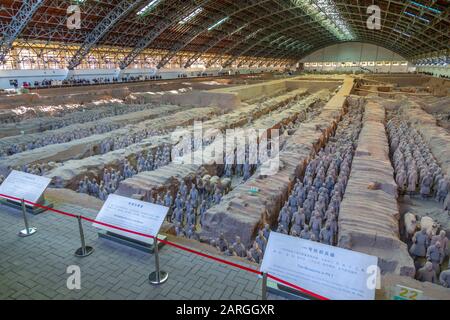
x=130 y=214
x=330 y=272
x=24 y=186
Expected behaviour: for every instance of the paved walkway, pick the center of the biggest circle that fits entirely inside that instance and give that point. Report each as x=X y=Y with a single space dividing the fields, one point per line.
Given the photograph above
x=36 y=267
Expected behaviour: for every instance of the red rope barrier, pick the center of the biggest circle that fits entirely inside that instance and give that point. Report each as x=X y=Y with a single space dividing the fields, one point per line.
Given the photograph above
x=201 y=254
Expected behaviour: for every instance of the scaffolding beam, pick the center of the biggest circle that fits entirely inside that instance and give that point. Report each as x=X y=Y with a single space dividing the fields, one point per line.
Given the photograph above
x=120 y=11
x=18 y=22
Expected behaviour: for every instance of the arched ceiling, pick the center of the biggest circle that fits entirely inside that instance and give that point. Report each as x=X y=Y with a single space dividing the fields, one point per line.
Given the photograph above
x=354 y=51
x=262 y=28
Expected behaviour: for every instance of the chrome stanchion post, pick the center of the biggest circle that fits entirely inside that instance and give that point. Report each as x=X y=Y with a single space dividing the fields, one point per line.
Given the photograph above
x=85 y=250
x=27 y=231
x=264 y=286
x=157 y=277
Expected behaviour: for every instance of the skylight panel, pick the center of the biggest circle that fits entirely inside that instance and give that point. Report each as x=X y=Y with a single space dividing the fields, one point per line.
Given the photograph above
x=290 y=45
x=285 y=42
x=402 y=33
x=277 y=40
x=191 y=16
x=253 y=34
x=304 y=46
x=149 y=7
x=417 y=4
x=218 y=23
x=416 y=16
x=327 y=14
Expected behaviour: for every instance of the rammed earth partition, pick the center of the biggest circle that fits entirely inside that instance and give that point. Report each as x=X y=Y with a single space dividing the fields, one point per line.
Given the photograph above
x=369 y=215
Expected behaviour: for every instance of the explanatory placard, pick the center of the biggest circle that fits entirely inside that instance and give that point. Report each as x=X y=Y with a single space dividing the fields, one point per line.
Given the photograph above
x=330 y=272
x=24 y=185
x=130 y=214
